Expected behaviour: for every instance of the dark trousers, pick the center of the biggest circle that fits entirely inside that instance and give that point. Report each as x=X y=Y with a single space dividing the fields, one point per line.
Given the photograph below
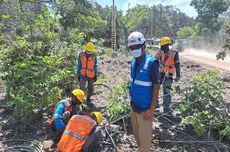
x=92 y=141
x=167 y=92
x=90 y=83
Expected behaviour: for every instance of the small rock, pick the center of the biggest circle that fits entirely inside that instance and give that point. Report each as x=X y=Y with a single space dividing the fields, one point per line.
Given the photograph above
x=114 y=54
x=114 y=127
x=47 y=144
x=226 y=79
x=39 y=132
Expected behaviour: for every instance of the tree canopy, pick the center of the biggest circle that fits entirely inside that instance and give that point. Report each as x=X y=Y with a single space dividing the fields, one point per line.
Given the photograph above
x=209 y=11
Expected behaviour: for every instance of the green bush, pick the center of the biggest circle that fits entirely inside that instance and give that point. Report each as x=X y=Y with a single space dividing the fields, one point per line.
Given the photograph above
x=201 y=103
x=38 y=71
x=119 y=104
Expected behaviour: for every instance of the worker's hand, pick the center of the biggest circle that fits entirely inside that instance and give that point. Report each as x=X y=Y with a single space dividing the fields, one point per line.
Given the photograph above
x=66 y=115
x=177 y=79
x=148 y=114
x=95 y=78
x=78 y=78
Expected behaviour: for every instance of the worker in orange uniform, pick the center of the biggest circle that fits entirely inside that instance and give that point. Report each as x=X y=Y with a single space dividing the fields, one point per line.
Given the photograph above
x=81 y=133
x=64 y=109
x=169 y=64
x=87 y=69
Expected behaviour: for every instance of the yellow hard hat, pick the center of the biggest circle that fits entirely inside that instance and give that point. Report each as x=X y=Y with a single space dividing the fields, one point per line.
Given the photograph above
x=165 y=40
x=98 y=116
x=79 y=94
x=89 y=47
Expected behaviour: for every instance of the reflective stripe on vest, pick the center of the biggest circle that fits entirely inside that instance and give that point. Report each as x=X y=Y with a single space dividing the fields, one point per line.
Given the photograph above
x=87 y=65
x=146 y=64
x=56 y=114
x=142 y=83
x=84 y=119
x=74 y=135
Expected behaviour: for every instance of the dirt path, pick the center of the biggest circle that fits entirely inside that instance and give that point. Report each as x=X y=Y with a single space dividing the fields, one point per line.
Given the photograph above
x=207 y=58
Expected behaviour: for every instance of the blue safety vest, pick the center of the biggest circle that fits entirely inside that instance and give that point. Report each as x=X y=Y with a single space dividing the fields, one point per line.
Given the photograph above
x=141 y=87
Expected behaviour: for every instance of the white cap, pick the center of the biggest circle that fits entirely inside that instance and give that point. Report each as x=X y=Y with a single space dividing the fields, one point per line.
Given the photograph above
x=136 y=38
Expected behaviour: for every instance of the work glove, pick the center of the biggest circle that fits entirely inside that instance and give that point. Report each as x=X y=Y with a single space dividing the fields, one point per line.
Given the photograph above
x=95 y=78
x=177 y=79
x=66 y=115
x=78 y=78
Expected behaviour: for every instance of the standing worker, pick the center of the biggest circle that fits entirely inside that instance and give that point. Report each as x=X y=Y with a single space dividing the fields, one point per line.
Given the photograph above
x=81 y=133
x=87 y=69
x=143 y=88
x=64 y=109
x=169 y=63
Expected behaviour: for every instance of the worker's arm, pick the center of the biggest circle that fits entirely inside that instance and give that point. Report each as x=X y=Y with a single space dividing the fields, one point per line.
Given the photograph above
x=155 y=95
x=177 y=65
x=96 y=66
x=59 y=124
x=78 y=66
x=155 y=77
x=149 y=112
x=157 y=55
x=93 y=139
x=75 y=110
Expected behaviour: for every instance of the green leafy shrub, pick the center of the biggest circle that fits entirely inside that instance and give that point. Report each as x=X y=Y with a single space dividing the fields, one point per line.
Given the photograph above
x=225 y=131
x=201 y=104
x=38 y=70
x=119 y=102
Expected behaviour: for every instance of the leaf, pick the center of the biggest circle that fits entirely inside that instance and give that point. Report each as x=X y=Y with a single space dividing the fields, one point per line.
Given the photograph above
x=5 y=16
x=226 y=131
x=205 y=112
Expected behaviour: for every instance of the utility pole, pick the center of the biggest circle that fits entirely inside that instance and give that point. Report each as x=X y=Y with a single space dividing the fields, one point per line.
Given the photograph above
x=113 y=36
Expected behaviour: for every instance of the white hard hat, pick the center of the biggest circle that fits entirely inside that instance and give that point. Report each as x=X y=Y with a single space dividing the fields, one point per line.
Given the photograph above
x=136 y=38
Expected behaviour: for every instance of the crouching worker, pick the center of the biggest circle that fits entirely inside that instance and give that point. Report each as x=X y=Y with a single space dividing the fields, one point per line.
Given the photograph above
x=81 y=133
x=65 y=109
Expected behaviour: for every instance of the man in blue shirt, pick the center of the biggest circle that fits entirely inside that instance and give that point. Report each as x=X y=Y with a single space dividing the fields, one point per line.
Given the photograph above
x=87 y=70
x=144 y=89
x=64 y=109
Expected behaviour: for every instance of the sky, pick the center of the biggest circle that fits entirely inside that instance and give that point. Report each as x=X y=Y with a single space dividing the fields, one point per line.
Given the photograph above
x=123 y=5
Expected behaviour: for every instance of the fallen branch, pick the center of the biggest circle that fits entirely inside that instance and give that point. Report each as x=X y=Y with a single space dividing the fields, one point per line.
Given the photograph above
x=169 y=120
x=186 y=142
x=126 y=115
x=217 y=148
x=124 y=125
x=114 y=145
x=100 y=84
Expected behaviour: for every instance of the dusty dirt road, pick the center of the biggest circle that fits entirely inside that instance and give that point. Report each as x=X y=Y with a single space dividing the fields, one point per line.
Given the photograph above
x=207 y=58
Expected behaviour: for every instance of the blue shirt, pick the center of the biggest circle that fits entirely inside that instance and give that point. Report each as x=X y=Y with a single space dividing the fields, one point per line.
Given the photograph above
x=59 y=124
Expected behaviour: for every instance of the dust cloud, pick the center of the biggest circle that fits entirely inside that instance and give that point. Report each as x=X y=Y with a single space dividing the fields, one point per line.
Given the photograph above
x=203 y=53
x=206 y=57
